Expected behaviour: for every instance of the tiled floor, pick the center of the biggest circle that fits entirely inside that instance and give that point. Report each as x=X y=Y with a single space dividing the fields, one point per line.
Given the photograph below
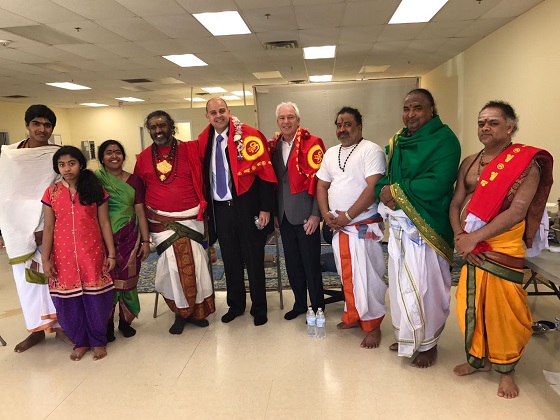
x=239 y=371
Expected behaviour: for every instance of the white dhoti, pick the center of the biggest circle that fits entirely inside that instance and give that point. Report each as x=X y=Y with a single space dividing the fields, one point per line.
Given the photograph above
x=361 y=266
x=168 y=278
x=419 y=283
x=26 y=174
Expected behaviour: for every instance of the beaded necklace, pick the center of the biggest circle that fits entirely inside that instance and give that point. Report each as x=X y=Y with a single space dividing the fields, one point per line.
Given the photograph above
x=343 y=166
x=162 y=166
x=481 y=163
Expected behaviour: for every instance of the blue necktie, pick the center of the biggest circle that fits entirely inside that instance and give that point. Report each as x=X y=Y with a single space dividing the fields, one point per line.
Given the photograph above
x=221 y=182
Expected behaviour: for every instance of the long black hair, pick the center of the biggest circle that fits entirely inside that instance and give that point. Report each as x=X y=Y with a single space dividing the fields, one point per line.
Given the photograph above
x=88 y=185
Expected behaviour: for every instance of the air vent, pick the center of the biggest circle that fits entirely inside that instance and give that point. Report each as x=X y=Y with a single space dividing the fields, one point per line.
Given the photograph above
x=15 y=96
x=297 y=82
x=137 y=80
x=202 y=93
x=280 y=45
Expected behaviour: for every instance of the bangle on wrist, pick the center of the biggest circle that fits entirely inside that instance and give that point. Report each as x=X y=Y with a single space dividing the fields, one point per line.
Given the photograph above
x=347 y=215
x=112 y=258
x=146 y=242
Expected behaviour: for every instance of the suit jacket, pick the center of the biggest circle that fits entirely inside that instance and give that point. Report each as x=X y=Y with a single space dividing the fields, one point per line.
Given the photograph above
x=259 y=197
x=295 y=207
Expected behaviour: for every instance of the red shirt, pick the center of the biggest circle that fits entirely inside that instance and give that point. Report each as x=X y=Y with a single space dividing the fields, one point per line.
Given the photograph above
x=175 y=194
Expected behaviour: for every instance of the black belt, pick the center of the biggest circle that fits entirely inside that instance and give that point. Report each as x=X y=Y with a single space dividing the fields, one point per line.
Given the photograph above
x=226 y=203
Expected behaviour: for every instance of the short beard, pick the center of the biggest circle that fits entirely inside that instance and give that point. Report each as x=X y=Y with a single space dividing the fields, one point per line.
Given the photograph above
x=162 y=141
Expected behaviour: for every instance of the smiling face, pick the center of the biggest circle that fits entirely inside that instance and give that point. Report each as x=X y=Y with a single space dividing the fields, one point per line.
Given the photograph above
x=288 y=122
x=417 y=111
x=160 y=130
x=218 y=114
x=348 y=131
x=494 y=130
x=40 y=130
x=69 y=168
x=113 y=158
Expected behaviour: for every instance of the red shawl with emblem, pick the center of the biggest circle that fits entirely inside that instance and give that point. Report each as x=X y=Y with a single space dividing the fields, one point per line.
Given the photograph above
x=304 y=161
x=498 y=177
x=248 y=155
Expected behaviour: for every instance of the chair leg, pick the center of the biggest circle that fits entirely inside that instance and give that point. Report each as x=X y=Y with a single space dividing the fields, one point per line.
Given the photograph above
x=278 y=271
x=2 y=341
x=155 y=305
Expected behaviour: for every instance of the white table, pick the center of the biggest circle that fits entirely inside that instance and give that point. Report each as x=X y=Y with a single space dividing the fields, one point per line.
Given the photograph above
x=547 y=264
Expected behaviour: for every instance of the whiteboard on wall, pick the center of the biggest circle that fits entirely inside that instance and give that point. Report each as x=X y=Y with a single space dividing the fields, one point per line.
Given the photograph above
x=379 y=101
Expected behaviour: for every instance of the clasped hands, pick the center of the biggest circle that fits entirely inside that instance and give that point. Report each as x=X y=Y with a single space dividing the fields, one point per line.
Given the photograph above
x=464 y=245
x=336 y=222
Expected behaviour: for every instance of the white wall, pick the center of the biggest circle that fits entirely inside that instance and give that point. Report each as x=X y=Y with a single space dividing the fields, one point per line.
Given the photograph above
x=518 y=63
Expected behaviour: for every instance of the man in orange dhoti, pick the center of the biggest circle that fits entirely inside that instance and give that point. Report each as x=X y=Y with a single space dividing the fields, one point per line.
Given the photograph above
x=498 y=208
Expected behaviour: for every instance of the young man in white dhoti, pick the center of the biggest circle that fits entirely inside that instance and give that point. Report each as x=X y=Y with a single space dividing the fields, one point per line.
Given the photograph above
x=172 y=174
x=415 y=196
x=345 y=194
x=26 y=171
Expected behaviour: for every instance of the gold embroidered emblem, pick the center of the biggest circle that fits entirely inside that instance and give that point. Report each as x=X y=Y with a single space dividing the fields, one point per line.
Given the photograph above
x=493 y=176
x=315 y=157
x=500 y=166
x=252 y=148
x=483 y=183
x=509 y=157
x=164 y=167
x=516 y=150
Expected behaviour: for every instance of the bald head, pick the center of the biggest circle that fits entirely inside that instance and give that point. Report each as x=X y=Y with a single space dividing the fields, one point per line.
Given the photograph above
x=218 y=114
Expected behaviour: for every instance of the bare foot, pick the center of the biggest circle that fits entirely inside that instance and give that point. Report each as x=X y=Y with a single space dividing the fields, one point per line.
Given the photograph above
x=466 y=369
x=62 y=336
x=99 y=353
x=78 y=353
x=426 y=358
x=371 y=340
x=345 y=326
x=394 y=347
x=30 y=341
x=507 y=388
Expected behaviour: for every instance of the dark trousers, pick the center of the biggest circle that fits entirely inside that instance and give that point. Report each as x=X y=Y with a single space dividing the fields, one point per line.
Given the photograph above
x=241 y=245
x=302 y=253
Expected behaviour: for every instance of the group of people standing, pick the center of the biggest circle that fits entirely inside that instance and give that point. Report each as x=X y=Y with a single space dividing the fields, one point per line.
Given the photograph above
x=86 y=241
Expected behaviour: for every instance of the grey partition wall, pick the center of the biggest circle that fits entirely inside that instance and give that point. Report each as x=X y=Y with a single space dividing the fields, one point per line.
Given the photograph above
x=379 y=101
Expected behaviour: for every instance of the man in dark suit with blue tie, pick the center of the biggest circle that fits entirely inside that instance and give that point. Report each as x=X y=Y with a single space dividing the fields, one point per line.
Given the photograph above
x=240 y=185
x=296 y=158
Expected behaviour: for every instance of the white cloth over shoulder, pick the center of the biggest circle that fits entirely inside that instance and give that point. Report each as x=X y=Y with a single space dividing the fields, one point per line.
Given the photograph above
x=26 y=174
x=168 y=281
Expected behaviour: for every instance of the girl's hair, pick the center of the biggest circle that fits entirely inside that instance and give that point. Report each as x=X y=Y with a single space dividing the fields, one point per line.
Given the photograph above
x=107 y=143
x=88 y=186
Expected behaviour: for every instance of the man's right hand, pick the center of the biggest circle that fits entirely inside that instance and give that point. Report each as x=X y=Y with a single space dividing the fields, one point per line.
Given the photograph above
x=387 y=198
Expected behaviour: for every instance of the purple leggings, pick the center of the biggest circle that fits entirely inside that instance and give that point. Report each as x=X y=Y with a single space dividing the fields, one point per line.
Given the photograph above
x=84 y=318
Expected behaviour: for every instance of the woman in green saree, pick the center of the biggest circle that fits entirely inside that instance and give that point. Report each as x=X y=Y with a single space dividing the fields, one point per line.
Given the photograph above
x=130 y=232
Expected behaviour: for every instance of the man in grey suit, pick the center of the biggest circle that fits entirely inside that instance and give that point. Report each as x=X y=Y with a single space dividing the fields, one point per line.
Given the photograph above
x=296 y=157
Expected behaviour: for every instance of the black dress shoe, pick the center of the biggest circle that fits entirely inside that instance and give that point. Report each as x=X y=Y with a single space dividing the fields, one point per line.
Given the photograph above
x=229 y=316
x=292 y=314
x=260 y=320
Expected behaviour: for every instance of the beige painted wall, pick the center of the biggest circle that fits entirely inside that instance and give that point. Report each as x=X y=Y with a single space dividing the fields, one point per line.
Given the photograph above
x=519 y=64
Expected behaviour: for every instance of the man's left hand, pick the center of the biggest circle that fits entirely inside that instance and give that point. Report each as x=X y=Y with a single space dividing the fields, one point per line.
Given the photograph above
x=465 y=244
x=311 y=225
x=264 y=218
x=387 y=198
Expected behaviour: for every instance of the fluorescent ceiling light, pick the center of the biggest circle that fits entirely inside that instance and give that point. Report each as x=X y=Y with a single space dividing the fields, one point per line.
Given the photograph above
x=240 y=93
x=92 y=104
x=267 y=75
x=69 y=86
x=374 y=69
x=322 y=78
x=313 y=53
x=195 y=99
x=415 y=11
x=130 y=99
x=223 y=23
x=230 y=98
x=214 y=89
x=185 y=60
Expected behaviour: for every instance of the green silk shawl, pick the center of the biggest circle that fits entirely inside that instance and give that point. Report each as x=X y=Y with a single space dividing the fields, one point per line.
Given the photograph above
x=421 y=172
x=121 y=199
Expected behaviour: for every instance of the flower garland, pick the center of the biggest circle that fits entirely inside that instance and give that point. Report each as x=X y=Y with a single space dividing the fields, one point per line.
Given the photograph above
x=237 y=134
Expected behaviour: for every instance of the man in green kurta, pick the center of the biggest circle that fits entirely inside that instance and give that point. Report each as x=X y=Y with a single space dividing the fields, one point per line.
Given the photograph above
x=415 y=195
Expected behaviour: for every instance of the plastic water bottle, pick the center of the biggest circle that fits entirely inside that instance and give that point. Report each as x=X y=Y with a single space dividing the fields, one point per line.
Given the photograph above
x=310 y=317
x=321 y=325
x=257 y=224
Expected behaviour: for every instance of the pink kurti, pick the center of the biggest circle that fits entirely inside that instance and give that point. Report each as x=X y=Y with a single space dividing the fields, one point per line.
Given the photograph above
x=78 y=253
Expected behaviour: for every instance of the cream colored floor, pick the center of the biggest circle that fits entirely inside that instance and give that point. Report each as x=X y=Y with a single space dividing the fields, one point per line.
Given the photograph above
x=239 y=371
